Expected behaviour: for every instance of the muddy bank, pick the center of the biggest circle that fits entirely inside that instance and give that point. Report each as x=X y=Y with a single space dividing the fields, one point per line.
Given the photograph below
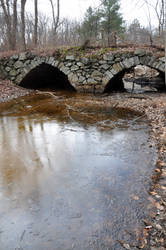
x=153 y=106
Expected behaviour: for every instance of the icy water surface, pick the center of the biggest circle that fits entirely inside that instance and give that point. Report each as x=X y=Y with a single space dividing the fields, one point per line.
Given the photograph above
x=71 y=178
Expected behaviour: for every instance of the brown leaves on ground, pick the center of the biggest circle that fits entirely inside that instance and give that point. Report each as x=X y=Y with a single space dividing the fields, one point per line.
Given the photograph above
x=9 y=91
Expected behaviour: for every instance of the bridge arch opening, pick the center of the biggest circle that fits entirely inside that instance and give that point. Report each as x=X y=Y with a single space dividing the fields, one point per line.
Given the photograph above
x=139 y=78
x=46 y=77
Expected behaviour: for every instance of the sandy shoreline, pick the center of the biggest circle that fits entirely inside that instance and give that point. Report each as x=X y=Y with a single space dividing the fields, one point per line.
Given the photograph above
x=153 y=106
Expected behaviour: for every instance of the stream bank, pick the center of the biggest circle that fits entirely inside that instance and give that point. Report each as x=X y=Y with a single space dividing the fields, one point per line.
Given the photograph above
x=153 y=106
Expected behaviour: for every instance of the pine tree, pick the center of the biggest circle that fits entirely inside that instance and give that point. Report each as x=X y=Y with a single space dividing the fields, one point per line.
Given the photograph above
x=111 y=18
x=90 y=25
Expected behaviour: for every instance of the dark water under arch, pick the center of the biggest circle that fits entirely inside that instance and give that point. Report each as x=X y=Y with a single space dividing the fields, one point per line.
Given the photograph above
x=46 y=76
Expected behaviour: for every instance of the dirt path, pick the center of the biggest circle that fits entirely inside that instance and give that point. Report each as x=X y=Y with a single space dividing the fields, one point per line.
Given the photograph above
x=153 y=106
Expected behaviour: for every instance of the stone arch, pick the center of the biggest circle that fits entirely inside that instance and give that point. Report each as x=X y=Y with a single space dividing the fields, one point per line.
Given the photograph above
x=44 y=75
x=113 y=78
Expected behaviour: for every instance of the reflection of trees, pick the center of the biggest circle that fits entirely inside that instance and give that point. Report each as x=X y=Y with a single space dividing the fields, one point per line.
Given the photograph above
x=17 y=153
x=30 y=148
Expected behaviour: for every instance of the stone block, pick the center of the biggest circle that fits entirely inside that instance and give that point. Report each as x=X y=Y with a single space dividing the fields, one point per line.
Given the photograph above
x=22 y=56
x=51 y=60
x=162 y=67
x=154 y=64
x=151 y=61
x=85 y=60
x=10 y=63
x=8 y=69
x=105 y=80
x=162 y=59
x=13 y=72
x=117 y=59
x=55 y=63
x=147 y=60
x=18 y=79
x=158 y=65
x=113 y=71
x=91 y=81
x=70 y=58
x=84 y=82
x=68 y=64
x=80 y=64
x=140 y=52
x=81 y=79
x=128 y=62
x=108 y=57
x=96 y=73
x=14 y=57
x=102 y=62
x=98 y=79
x=117 y=67
x=74 y=68
x=18 y=64
x=136 y=60
x=65 y=70
x=108 y=74
x=105 y=66
x=142 y=60
x=73 y=78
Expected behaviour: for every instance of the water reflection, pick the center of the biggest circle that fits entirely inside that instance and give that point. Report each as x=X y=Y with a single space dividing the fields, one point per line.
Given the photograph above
x=68 y=186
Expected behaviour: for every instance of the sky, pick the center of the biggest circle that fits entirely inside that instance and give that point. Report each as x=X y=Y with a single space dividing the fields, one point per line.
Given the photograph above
x=75 y=9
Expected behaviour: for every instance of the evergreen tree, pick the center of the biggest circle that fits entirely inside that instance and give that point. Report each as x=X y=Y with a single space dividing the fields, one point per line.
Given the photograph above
x=90 y=25
x=111 y=19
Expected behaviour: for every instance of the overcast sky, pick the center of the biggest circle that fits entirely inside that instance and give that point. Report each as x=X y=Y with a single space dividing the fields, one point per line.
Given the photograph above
x=75 y=9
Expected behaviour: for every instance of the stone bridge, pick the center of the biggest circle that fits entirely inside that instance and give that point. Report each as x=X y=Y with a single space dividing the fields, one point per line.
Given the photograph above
x=96 y=74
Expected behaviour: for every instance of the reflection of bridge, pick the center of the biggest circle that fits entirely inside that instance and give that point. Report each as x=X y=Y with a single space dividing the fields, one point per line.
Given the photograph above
x=84 y=74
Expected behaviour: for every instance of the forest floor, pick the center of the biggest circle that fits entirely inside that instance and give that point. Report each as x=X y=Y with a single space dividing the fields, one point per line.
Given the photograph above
x=152 y=106
x=9 y=91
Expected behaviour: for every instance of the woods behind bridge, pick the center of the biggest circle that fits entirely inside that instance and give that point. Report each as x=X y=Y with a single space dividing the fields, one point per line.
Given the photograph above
x=101 y=26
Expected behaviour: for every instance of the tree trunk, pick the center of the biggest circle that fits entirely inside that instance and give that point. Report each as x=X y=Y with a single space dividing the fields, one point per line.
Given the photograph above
x=165 y=40
x=8 y=20
x=55 y=20
x=36 y=23
x=23 y=2
x=14 y=23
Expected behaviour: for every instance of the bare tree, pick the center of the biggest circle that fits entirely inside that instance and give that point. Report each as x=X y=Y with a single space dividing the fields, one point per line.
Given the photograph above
x=159 y=8
x=165 y=40
x=36 y=23
x=23 y=2
x=10 y=14
x=14 y=23
x=55 y=19
x=150 y=23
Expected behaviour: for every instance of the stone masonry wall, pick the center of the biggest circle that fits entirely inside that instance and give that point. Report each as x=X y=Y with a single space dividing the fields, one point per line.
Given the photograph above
x=85 y=74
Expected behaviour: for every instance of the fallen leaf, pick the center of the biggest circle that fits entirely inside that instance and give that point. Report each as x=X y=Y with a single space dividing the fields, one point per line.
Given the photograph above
x=145 y=232
x=160 y=163
x=157 y=205
x=135 y=197
x=153 y=193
